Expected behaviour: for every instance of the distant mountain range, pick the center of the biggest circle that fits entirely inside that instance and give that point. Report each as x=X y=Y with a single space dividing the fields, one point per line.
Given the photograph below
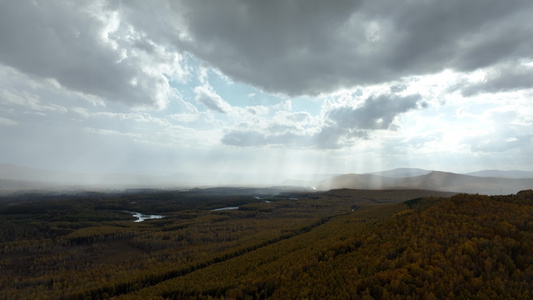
x=402 y=172
x=432 y=180
x=491 y=182
x=502 y=174
x=411 y=172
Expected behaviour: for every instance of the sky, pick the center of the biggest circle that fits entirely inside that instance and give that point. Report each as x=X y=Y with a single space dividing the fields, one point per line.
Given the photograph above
x=266 y=87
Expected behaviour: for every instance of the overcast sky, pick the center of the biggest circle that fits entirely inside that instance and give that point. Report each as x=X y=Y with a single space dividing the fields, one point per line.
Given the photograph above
x=278 y=87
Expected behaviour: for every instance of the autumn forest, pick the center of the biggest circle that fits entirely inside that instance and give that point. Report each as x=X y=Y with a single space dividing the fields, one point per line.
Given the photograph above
x=246 y=243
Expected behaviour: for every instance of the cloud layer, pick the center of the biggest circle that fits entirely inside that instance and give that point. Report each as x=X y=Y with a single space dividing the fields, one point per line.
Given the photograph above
x=312 y=47
x=293 y=85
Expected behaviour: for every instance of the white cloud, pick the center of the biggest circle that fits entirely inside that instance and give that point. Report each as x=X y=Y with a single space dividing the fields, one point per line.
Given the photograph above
x=28 y=101
x=7 y=122
x=207 y=96
x=258 y=110
x=137 y=117
x=98 y=53
x=184 y=117
x=81 y=111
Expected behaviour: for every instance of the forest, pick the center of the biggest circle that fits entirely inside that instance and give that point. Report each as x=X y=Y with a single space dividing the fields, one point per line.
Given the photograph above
x=245 y=243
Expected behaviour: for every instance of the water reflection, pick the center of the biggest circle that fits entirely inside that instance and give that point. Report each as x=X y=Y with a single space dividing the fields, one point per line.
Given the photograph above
x=226 y=208
x=141 y=217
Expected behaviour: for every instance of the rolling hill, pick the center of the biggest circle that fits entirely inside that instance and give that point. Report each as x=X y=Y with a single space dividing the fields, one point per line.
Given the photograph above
x=502 y=174
x=435 y=180
x=402 y=172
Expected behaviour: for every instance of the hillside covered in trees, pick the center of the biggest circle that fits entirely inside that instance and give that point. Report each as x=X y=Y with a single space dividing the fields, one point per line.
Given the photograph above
x=251 y=244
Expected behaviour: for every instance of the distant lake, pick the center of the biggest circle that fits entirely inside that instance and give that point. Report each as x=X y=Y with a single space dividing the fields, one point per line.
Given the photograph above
x=141 y=217
x=226 y=208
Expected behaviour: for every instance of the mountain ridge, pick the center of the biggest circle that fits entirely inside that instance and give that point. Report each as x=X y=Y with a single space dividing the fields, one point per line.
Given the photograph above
x=435 y=180
x=13 y=177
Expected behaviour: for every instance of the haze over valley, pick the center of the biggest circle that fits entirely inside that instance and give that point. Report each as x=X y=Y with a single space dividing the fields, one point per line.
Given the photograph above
x=490 y=182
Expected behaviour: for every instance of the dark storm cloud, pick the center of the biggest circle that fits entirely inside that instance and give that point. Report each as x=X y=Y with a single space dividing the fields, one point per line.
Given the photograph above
x=271 y=44
x=465 y=35
x=293 y=47
x=308 y=47
x=502 y=79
